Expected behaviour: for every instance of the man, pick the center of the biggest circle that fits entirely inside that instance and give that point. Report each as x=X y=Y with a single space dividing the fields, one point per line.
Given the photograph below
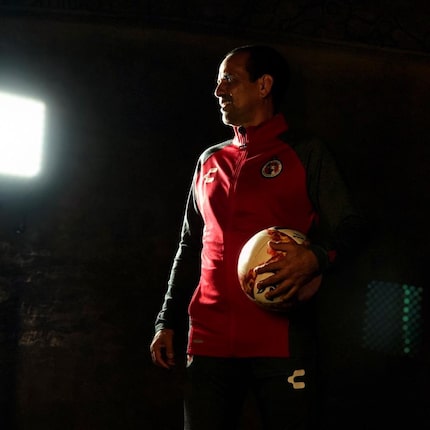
x=234 y=346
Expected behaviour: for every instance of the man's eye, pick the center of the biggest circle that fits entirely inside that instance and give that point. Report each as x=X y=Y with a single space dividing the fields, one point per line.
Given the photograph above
x=225 y=78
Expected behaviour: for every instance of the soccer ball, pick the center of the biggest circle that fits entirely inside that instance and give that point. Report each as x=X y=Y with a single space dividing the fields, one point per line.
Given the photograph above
x=256 y=252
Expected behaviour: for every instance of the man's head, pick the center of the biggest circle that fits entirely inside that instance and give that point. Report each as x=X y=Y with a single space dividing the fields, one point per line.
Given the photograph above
x=252 y=82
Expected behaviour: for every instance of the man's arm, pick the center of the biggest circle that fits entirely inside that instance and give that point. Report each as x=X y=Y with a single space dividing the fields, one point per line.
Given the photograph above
x=184 y=275
x=337 y=235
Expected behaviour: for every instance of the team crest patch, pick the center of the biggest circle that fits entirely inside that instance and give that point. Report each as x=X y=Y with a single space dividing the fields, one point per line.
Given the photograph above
x=271 y=169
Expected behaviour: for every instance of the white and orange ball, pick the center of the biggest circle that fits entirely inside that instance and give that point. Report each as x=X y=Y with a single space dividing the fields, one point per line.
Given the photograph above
x=256 y=252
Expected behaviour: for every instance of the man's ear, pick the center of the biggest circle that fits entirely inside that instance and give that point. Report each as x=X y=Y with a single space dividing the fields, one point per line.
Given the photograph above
x=266 y=83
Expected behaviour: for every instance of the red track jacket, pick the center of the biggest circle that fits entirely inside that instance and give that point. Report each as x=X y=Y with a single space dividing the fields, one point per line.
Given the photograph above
x=263 y=177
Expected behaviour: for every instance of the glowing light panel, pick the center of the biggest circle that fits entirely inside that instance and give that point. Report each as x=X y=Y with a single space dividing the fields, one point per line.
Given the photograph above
x=22 y=124
x=393 y=319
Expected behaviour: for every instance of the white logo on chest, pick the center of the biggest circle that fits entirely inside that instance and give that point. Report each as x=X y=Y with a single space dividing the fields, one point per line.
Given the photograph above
x=210 y=175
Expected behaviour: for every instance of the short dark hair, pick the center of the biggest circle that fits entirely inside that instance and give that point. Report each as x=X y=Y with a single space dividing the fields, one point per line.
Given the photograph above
x=267 y=60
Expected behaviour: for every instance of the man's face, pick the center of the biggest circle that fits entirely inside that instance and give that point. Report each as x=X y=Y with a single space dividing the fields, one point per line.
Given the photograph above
x=239 y=98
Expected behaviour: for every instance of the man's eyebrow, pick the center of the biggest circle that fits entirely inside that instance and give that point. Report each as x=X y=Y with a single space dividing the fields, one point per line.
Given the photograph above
x=224 y=76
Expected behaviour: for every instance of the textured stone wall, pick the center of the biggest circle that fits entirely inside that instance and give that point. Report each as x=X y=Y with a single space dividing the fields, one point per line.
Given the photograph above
x=391 y=24
x=86 y=248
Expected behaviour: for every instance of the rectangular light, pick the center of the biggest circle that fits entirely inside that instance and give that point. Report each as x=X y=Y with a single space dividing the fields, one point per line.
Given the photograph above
x=22 y=126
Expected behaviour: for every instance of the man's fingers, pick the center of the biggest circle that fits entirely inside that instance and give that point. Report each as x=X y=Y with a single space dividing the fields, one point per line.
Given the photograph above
x=286 y=292
x=163 y=359
x=162 y=352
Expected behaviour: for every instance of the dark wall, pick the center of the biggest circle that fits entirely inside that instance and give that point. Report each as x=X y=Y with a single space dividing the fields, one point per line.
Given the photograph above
x=87 y=246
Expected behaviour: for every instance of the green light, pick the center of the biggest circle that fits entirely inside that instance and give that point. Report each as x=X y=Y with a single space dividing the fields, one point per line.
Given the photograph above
x=393 y=317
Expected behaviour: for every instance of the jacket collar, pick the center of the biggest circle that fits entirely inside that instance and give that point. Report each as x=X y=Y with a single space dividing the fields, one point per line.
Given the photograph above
x=255 y=135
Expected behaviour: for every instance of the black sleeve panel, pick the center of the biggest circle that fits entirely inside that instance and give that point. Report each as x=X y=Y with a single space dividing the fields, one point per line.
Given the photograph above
x=339 y=231
x=184 y=274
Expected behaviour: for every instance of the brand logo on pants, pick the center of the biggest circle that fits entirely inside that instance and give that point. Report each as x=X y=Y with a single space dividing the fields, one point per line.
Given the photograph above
x=297 y=385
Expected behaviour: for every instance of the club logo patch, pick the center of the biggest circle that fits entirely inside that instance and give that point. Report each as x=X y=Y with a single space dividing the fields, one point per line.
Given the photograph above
x=272 y=168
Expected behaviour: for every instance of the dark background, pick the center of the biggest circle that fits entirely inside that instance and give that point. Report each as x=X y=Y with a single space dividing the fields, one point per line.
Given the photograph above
x=85 y=248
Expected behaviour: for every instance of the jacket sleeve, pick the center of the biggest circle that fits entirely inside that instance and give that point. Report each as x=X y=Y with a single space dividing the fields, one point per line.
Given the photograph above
x=185 y=270
x=339 y=230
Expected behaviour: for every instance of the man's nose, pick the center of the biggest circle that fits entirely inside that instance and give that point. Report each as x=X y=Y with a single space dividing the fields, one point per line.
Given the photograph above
x=219 y=90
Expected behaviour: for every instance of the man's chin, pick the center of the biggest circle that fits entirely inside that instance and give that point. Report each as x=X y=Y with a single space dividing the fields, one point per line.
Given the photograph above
x=228 y=120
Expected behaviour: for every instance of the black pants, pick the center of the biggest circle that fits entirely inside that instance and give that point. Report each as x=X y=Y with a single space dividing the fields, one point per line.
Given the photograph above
x=216 y=389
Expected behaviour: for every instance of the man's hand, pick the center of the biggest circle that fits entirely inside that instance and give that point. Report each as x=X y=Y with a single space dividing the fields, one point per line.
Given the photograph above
x=161 y=348
x=298 y=268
